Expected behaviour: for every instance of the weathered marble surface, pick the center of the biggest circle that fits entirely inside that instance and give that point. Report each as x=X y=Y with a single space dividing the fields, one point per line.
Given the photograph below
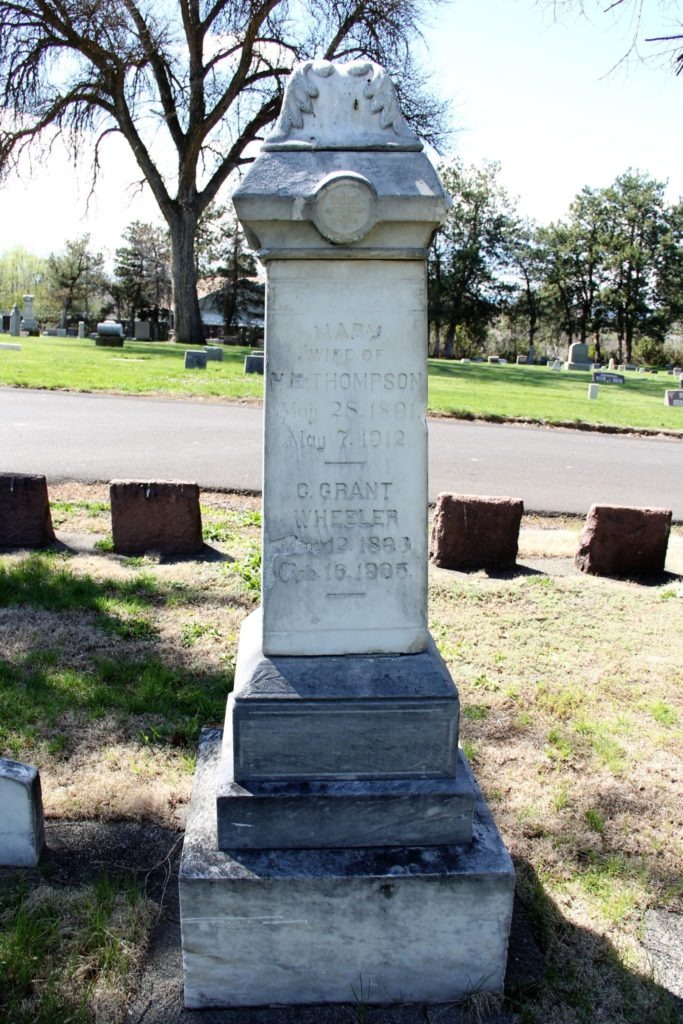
x=343 y=717
x=22 y=835
x=342 y=812
x=345 y=476
x=413 y=924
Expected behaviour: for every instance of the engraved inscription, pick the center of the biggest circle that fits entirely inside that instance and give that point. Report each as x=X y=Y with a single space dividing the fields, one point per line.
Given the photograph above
x=345 y=536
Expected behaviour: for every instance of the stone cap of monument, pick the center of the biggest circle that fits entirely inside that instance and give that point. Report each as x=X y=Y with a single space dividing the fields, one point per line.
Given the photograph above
x=341 y=174
x=341 y=106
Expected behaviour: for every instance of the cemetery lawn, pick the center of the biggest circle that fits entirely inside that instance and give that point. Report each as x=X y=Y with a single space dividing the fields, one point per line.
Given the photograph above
x=494 y=392
x=572 y=714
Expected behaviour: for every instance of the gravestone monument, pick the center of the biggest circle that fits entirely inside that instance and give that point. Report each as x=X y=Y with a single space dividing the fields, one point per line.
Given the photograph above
x=577 y=358
x=15 y=321
x=29 y=322
x=336 y=837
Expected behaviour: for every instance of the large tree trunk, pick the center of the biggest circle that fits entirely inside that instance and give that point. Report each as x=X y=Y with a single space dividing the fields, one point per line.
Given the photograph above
x=188 y=322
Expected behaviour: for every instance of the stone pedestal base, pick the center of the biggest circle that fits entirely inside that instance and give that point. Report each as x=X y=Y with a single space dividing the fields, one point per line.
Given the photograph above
x=579 y=366
x=402 y=924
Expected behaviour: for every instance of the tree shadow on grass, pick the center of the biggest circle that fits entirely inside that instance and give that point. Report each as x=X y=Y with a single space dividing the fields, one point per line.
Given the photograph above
x=586 y=979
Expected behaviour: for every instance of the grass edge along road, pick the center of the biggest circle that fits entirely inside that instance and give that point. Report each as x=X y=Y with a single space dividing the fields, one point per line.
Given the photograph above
x=571 y=716
x=500 y=392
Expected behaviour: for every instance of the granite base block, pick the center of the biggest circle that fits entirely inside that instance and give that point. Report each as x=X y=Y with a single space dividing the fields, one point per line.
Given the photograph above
x=301 y=718
x=343 y=813
x=295 y=927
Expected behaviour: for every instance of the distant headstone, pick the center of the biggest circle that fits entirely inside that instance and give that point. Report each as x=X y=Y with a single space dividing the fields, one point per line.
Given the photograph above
x=29 y=323
x=531 y=355
x=677 y=371
x=630 y=366
x=605 y=377
x=214 y=353
x=464 y=361
x=253 y=363
x=674 y=396
x=142 y=330
x=22 y=833
x=61 y=332
x=81 y=329
x=15 y=321
x=520 y=360
x=612 y=365
x=10 y=348
x=577 y=358
x=110 y=328
x=25 y=520
x=619 y=540
x=155 y=515
x=109 y=334
x=557 y=365
x=195 y=359
x=493 y=359
x=471 y=532
x=593 y=390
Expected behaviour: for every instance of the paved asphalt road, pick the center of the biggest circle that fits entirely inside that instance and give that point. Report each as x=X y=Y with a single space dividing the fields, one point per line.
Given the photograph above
x=102 y=437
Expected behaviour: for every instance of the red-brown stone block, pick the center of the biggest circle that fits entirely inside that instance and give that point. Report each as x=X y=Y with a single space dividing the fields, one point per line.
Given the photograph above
x=619 y=540
x=25 y=520
x=470 y=532
x=156 y=515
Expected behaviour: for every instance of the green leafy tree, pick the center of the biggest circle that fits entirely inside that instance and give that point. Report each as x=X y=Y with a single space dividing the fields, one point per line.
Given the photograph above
x=197 y=79
x=636 y=253
x=224 y=258
x=527 y=264
x=576 y=267
x=77 y=280
x=142 y=269
x=22 y=273
x=614 y=265
x=670 y=274
x=469 y=257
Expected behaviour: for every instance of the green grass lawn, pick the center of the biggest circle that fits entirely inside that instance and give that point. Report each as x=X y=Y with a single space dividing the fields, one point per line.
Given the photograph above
x=537 y=393
x=475 y=389
x=141 y=367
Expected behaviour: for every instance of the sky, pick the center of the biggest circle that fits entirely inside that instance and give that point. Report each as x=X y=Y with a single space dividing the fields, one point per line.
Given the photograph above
x=540 y=96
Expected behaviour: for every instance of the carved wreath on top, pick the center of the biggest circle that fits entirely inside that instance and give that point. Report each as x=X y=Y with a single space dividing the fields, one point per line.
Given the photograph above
x=302 y=90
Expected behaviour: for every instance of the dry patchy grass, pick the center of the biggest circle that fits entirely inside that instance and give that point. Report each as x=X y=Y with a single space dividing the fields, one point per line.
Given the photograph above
x=572 y=712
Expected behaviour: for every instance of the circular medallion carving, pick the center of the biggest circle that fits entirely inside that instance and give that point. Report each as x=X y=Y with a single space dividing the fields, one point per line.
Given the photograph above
x=345 y=208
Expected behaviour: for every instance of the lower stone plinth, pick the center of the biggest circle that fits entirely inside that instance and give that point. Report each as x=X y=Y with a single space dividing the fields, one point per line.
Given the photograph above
x=295 y=927
x=267 y=815
x=367 y=716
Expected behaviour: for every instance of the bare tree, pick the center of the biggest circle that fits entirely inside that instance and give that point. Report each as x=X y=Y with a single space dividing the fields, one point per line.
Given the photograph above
x=638 y=12
x=189 y=84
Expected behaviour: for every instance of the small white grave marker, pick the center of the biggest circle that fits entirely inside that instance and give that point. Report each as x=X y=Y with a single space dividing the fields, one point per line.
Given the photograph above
x=673 y=397
x=21 y=817
x=593 y=390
